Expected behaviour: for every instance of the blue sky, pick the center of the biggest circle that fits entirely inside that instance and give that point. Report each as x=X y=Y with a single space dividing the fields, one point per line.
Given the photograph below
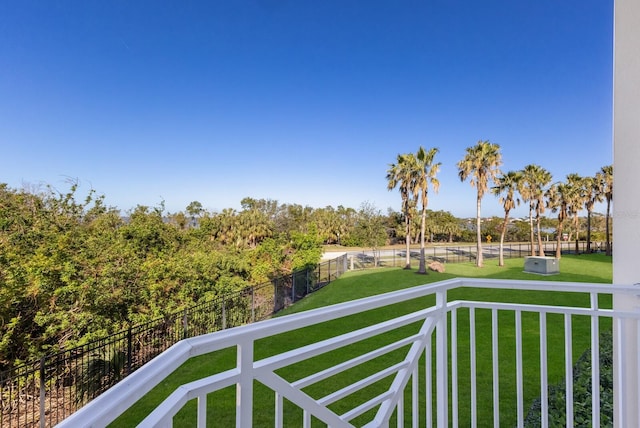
x=299 y=101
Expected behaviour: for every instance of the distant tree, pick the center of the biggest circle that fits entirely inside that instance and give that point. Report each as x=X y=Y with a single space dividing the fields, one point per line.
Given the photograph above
x=195 y=210
x=395 y=225
x=425 y=175
x=269 y=207
x=307 y=248
x=481 y=163
x=443 y=223
x=534 y=181
x=576 y=204
x=491 y=228
x=605 y=177
x=253 y=226
x=505 y=188
x=333 y=223
x=370 y=229
x=179 y=220
x=558 y=200
x=293 y=217
x=593 y=193
x=402 y=175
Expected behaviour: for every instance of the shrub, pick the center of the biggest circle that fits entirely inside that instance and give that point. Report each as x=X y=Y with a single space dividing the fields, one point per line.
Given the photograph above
x=581 y=392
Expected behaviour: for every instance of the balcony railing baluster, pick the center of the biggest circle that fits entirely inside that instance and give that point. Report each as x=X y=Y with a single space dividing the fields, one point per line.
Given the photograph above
x=427 y=335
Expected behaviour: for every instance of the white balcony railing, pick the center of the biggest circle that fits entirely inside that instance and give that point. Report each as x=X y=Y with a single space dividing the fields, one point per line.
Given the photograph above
x=439 y=359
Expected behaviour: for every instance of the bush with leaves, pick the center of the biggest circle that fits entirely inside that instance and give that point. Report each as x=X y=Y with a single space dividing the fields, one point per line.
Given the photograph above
x=581 y=392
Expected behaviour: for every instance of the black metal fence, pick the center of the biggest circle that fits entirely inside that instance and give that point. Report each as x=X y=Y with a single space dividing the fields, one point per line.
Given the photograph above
x=42 y=393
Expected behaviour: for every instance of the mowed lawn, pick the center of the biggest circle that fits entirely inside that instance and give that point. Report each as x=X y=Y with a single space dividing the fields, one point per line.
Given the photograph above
x=595 y=268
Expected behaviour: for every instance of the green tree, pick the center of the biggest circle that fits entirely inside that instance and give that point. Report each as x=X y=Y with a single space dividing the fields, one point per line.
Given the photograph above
x=252 y=226
x=425 y=176
x=370 y=229
x=605 y=177
x=593 y=193
x=307 y=248
x=195 y=210
x=533 y=184
x=559 y=196
x=505 y=188
x=577 y=202
x=444 y=224
x=402 y=174
x=481 y=163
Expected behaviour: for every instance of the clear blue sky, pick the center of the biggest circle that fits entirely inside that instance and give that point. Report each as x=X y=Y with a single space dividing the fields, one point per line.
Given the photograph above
x=300 y=101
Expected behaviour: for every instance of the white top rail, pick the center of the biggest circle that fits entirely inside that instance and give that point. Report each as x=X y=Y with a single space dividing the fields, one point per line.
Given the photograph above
x=107 y=407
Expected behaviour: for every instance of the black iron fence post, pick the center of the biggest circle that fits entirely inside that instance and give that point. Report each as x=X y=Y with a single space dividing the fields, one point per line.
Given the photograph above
x=129 y=350
x=253 y=304
x=184 y=325
x=42 y=391
x=224 y=314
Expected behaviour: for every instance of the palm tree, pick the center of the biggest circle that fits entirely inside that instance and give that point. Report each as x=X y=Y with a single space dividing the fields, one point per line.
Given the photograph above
x=481 y=163
x=253 y=226
x=402 y=175
x=605 y=176
x=578 y=198
x=559 y=196
x=426 y=173
x=593 y=194
x=532 y=187
x=505 y=189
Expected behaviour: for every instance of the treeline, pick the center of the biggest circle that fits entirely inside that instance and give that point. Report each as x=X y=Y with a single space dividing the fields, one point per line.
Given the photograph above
x=415 y=175
x=74 y=270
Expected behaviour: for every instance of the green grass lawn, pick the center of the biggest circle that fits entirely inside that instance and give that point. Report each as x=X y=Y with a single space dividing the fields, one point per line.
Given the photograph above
x=353 y=285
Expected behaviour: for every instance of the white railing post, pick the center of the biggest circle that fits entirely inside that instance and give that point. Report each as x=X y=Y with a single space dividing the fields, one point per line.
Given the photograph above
x=442 y=361
x=595 y=364
x=244 y=388
x=626 y=210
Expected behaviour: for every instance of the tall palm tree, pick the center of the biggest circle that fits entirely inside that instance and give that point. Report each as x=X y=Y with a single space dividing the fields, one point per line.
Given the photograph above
x=402 y=175
x=578 y=198
x=481 y=163
x=593 y=194
x=426 y=174
x=532 y=187
x=559 y=196
x=505 y=188
x=606 y=177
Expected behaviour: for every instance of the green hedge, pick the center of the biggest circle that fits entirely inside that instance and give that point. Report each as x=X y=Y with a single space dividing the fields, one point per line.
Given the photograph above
x=581 y=392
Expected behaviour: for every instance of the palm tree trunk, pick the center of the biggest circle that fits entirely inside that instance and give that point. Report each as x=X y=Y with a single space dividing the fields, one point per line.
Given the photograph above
x=577 y=234
x=478 y=234
x=608 y=249
x=540 y=249
x=407 y=264
x=531 y=240
x=502 y=233
x=558 y=240
x=423 y=268
x=588 y=231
